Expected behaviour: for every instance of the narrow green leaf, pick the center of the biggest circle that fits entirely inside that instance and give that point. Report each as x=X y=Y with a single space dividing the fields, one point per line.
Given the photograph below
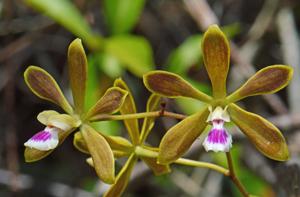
x=67 y=15
x=134 y=52
x=122 y=15
x=101 y=153
x=185 y=56
x=77 y=63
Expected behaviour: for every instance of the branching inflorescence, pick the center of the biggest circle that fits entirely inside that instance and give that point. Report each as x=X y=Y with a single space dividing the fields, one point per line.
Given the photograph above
x=217 y=111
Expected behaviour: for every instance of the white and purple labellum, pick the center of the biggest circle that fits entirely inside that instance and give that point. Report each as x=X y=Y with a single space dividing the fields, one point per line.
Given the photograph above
x=218 y=139
x=44 y=140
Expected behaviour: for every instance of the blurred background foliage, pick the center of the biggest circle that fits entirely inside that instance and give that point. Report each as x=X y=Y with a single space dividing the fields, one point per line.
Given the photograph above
x=127 y=38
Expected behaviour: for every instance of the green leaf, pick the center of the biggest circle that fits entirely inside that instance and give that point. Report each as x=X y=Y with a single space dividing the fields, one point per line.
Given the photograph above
x=134 y=52
x=122 y=15
x=185 y=56
x=110 y=65
x=67 y=15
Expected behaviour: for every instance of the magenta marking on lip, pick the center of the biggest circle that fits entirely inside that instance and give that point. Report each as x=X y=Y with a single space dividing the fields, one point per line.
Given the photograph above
x=41 y=136
x=216 y=136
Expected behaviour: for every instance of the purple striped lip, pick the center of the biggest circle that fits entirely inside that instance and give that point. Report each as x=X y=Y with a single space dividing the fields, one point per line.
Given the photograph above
x=217 y=136
x=42 y=136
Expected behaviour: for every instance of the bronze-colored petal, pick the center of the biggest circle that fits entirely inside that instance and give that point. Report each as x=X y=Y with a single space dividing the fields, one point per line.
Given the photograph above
x=32 y=155
x=77 y=73
x=266 y=81
x=263 y=134
x=117 y=189
x=42 y=84
x=157 y=169
x=129 y=107
x=171 y=85
x=216 y=56
x=180 y=137
x=101 y=153
x=118 y=143
x=153 y=104
x=80 y=143
x=109 y=103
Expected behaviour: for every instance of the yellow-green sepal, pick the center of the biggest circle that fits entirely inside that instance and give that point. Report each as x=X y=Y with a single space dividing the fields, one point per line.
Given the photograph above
x=101 y=153
x=157 y=169
x=216 y=56
x=117 y=189
x=129 y=107
x=266 y=81
x=120 y=146
x=77 y=66
x=180 y=137
x=170 y=85
x=153 y=104
x=42 y=84
x=109 y=103
x=79 y=143
x=32 y=154
x=262 y=133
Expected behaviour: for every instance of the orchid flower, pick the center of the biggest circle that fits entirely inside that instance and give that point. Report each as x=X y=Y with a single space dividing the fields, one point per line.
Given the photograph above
x=122 y=147
x=59 y=126
x=220 y=108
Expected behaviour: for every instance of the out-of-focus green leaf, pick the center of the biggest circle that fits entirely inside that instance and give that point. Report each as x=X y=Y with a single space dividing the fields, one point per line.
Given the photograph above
x=134 y=52
x=122 y=15
x=92 y=89
x=67 y=15
x=185 y=56
x=189 y=52
x=110 y=65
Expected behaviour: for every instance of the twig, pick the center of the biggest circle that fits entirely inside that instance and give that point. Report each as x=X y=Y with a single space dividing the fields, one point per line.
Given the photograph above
x=290 y=49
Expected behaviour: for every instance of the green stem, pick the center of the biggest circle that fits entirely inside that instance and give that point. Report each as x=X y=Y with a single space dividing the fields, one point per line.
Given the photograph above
x=200 y=164
x=137 y=116
x=188 y=162
x=233 y=176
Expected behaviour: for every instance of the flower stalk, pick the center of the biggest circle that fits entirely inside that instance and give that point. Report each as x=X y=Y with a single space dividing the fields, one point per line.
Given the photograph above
x=153 y=114
x=233 y=176
x=183 y=161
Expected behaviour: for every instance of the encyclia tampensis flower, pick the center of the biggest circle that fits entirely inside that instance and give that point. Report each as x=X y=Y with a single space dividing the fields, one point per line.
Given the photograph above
x=125 y=148
x=216 y=55
x=76 y=118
